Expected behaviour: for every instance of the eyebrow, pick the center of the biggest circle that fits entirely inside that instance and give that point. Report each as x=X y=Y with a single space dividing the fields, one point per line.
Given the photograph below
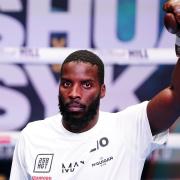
x=88 y=80
x=69 y=79
x=65 y=79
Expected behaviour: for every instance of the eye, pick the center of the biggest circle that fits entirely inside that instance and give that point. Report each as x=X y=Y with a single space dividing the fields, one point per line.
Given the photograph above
x=66 y=84
x=87 y=84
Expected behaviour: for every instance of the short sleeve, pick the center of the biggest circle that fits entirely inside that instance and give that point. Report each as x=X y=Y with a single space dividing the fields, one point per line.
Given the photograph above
x=136 y=131
x=156 y=141
x=18 y=165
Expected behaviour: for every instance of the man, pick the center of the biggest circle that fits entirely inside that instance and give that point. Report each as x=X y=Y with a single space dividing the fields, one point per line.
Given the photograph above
x=85 y=143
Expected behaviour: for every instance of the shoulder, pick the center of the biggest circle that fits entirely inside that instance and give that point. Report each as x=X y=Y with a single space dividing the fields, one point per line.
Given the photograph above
x=135 y=109
x=42 y=126
x=130 y=116
x=129 y=111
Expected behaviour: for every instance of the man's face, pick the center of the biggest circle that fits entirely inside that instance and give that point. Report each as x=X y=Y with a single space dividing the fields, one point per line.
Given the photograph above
x=79 y=93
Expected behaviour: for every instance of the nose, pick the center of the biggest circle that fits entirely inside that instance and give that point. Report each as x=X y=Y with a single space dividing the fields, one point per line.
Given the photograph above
x=75 y=92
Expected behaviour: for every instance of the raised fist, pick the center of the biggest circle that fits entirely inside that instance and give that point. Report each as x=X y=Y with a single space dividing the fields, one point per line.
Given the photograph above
x=172 y=16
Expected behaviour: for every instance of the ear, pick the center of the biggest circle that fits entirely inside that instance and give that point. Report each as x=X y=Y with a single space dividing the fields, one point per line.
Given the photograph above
x=103 y=90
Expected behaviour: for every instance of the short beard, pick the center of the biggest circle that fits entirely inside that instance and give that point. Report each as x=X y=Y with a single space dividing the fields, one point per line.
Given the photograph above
x=79 y=122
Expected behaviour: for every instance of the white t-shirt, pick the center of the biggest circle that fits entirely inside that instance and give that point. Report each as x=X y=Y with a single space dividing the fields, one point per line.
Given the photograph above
x=115 y=148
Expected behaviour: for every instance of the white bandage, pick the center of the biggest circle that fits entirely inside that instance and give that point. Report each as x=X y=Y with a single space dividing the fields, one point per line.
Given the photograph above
x=177 y=40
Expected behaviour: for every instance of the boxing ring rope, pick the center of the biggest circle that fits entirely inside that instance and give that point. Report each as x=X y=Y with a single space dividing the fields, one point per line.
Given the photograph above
x=111 y=56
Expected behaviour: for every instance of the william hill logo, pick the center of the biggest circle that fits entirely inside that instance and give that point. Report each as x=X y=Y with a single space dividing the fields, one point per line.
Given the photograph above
x=71 y=167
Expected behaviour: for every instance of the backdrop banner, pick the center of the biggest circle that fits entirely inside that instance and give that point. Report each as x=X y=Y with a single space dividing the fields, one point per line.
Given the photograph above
x=83 y=24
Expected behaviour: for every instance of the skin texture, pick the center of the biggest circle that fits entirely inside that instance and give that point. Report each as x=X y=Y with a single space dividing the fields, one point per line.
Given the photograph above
x=79 y=88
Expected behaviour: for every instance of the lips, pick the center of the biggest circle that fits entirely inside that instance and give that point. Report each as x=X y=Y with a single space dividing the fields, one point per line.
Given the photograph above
x=75 y=107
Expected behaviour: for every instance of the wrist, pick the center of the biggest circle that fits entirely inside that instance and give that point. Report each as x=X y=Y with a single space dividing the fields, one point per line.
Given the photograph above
x=177 y=46
x=177 y=40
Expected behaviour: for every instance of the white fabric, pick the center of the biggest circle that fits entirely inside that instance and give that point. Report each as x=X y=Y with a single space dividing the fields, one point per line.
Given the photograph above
x=116 y=148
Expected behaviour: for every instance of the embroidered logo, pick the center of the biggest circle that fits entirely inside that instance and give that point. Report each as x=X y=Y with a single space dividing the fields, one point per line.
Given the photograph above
x=43 y=163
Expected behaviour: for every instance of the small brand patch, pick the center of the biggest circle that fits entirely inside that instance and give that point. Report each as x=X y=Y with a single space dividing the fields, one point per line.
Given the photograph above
x=43 y=163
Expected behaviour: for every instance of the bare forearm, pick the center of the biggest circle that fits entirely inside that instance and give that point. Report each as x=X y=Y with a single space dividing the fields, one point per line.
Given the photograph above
x=175 y=83
x=163 y=110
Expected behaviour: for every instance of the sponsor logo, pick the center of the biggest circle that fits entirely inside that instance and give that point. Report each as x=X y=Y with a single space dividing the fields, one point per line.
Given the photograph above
x=43 y=163
x=29 y=52
x=71 y=167
x=103 y=142
x=142 y=54
x=41 y=178
x=102 y=161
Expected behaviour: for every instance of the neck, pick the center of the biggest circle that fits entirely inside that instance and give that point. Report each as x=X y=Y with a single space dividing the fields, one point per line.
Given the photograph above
x=79 y=129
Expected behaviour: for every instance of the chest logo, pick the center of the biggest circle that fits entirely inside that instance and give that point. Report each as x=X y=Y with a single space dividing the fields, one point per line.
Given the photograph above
x=71 y=167
x=43 y=163
x=102 y=161
x=103 y=142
